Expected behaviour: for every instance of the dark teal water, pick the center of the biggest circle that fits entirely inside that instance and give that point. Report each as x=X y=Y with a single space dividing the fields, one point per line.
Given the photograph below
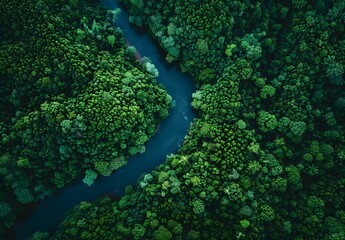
x=48 y=213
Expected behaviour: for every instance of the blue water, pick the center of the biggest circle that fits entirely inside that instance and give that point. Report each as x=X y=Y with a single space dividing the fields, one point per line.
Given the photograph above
x=48 y=213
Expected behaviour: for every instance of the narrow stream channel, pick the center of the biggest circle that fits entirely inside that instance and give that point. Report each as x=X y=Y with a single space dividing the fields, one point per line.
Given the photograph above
x=49 y=213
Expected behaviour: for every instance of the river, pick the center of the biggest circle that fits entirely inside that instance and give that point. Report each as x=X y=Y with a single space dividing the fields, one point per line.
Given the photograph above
x=49 y=213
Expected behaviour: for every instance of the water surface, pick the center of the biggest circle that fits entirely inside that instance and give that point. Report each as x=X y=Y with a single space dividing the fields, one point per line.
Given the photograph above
x=49 y=213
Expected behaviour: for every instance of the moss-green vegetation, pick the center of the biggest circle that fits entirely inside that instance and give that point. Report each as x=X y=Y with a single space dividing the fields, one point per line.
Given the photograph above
x=265 y=159
x=74 y=100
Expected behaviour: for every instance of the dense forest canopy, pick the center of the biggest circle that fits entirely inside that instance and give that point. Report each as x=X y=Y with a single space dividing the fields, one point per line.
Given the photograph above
x=264 y=159
x=75 y=102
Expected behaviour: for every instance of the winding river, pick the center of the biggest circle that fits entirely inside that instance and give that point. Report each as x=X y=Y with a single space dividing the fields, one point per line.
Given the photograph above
x=49 y=213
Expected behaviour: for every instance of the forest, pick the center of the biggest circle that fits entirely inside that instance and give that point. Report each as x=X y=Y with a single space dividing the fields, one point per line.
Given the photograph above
x=263 y=160
x=75 y=103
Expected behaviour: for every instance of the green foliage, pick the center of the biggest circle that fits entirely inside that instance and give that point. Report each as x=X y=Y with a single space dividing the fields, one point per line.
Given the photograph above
x=138 y=231
x=198 y=206
x=90 y=177
x=5 y=209
x=40 y=236
x=251 y=47
x=241 y=124
x=245 y=223
x=335 y=72
x=73 y=98
x=267 y=91
x=265 y=157
x=267 y=213
x=267 y=122
x=23 y=195
x=294 y=176
x=298 y=128
x=162 y=234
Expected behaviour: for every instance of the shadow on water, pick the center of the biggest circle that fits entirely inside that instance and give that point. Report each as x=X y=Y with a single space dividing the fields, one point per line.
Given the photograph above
x=48 y=213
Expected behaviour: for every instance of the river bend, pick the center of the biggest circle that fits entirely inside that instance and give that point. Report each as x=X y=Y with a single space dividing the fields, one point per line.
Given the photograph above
x=49 y=212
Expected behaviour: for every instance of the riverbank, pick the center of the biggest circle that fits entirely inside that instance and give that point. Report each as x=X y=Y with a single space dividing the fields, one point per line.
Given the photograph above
x=48 y=213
